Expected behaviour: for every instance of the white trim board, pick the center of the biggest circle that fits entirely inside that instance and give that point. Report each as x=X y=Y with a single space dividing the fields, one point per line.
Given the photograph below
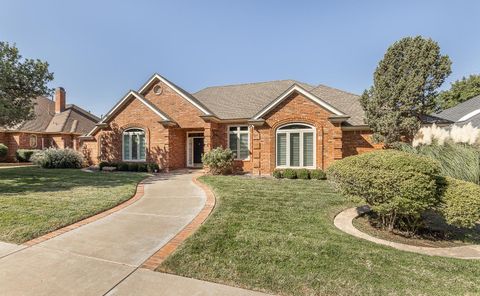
x=176 y=89
x=302 y=91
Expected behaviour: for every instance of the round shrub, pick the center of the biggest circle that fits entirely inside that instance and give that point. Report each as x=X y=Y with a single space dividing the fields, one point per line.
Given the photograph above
x=153 y=167
x=318 y=175
x=58 y=158
x=290 y=174
x=3 y=151
x=24 y=155
x=219 y=161
x=461 y=203
x=303 y=174
x=398 y=186
x=278 y=174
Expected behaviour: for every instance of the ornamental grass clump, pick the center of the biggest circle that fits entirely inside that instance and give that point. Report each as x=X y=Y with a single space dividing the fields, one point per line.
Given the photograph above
x=398 y=186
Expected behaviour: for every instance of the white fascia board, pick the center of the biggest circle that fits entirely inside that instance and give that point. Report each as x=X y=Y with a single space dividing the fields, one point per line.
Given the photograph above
x=307 y=94
x=157 y=76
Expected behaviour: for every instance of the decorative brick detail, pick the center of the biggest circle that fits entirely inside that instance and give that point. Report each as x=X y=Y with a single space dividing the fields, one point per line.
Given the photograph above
x=156 y=259
x=138 y=194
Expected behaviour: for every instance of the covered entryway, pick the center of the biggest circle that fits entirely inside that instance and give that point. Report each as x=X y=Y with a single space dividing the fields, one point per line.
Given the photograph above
x=195 y=144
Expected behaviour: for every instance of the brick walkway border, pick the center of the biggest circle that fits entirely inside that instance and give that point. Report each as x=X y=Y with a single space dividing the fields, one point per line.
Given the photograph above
x=156 y=259
x=138 y=194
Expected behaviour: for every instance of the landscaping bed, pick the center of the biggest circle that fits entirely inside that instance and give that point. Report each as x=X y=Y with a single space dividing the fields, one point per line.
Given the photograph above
x=435 y=234
x=278 y=236
x=35 y=201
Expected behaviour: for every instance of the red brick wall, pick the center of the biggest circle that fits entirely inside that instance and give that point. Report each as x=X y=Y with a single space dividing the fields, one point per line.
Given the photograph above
x=358 y=142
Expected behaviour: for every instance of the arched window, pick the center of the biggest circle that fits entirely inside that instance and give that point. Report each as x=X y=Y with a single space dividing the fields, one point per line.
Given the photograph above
x=133 y=145
x=295 y=146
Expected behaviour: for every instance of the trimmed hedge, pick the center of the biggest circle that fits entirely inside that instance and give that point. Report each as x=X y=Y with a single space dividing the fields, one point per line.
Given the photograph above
x=398 y=186
x=304 y=174
x=58 y=158
x=461 y=203
x=131 y=166
x=24 y=155
x=3 y=151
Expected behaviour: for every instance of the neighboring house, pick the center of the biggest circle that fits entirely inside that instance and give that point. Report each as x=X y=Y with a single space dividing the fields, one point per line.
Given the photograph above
x=268 y=125
x=55 y=125
x=464 y=113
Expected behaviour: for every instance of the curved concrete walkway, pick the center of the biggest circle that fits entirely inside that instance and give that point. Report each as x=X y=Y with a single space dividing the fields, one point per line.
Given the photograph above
x=343 y=221
x=104 y=256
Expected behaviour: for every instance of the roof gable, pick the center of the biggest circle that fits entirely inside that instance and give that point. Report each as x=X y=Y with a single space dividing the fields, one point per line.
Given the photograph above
x=297 y=89
x=184 y=94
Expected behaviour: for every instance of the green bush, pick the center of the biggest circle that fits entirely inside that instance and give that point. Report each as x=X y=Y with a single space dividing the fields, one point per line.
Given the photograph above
x=58 y=158
x=318 y=175
x=153 y=167
x=3 y=151
x=122 y=166
x=398 y=186
x=303 y=174
x=142 y=167
x=290 y=174
x=132 y=167
x=278 y=174
x=219 y=161
x=24 y=155
x=461 y=203
x=459 y=161
x=103 y=164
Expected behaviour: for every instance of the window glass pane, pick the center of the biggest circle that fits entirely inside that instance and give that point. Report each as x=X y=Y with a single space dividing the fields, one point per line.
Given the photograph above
x=295 y=126
x=294 y=149
x=308 y=149
x=244 y=146
x=281 y=149
x=134 y=147
x=233 y=143
x=126 y=147
x=244 y=128
x=142 y=147
x=233 y=128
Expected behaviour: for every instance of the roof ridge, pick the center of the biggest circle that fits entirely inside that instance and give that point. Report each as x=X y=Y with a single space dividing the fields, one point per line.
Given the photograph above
x=334 y=88
x=85 y=112
x=251 y=83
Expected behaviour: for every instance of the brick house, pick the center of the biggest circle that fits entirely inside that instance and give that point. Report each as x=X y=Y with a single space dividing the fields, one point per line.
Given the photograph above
x=268 y=125
x=55 y=124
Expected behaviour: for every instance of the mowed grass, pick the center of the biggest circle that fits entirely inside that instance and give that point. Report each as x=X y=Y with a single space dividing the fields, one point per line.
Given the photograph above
x=35 y=201
x=278 y=236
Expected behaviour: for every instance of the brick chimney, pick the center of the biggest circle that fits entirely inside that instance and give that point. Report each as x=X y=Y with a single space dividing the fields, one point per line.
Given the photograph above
x=60 y=97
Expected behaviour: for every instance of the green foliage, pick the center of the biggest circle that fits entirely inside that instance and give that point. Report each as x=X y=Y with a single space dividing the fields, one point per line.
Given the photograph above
x=398 y=186
x=3 y=151
x=21 y=81
x=303 y=174
x=404 y=87
x=58 y=158
x=459 y=161
x=318 y=175
x=461 y=203
x=132 y=166
x=219 y=161
x=153 y=167
x=142 y=167
x=278 y=174
x=460 y=91
x=24 y=155
x=290 y=174
x=122 y=166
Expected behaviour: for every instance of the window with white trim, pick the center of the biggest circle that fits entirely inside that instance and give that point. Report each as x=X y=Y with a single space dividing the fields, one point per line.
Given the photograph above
x=295 y=146
x=133 y=145
x=239 y=141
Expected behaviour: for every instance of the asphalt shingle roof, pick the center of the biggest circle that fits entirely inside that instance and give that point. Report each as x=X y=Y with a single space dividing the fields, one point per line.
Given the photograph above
x=246 y=100
x=457 y=112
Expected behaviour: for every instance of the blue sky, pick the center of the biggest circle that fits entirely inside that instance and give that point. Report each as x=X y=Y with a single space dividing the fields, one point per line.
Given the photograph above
x=100 y=49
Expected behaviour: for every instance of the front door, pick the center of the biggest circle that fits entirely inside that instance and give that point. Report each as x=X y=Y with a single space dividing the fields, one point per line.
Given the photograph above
x=197 y=151
x=195 y=143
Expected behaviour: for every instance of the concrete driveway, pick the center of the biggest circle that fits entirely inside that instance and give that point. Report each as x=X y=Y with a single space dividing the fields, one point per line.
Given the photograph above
x=103 y=257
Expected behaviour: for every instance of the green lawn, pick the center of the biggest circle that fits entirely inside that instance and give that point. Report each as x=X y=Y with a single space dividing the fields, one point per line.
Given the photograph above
x=278 y=236
x=35 y=201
